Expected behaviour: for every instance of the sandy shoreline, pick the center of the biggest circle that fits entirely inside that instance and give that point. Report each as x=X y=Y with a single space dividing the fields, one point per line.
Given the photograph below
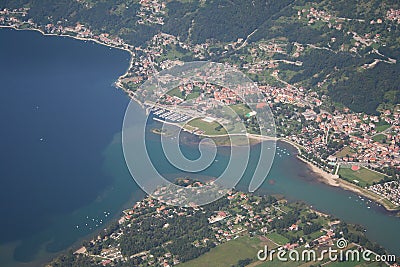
x=324 y=176
x=331 y=180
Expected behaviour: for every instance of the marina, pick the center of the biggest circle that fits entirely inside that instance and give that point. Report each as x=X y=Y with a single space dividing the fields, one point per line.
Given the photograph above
x=168 y=115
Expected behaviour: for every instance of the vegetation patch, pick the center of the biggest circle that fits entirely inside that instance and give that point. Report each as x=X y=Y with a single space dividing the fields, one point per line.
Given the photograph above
x=207 y=128
x=344 y=152
x=364 y=176
x=277 y=238
x=229 y=253
x=381 y=138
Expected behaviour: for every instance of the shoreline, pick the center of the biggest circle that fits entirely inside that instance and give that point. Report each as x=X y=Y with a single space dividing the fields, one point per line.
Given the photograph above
x=325 y=177
x=331 y=180
x=65 y=35
x=319 y=171
x=117 y=83
x=44 y=257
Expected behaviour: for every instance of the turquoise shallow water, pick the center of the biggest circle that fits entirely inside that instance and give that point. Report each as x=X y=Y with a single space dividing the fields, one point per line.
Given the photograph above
x=62 y=171
x=292 y=178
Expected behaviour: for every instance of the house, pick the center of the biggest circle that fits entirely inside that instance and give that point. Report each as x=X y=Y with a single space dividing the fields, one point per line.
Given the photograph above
x=294 y=227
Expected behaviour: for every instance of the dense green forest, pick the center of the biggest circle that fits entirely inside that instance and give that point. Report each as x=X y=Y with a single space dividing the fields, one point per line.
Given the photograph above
x=363 y=91
x=225 y=20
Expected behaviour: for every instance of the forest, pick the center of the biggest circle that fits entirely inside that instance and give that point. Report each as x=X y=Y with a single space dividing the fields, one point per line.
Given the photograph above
x=365 y=90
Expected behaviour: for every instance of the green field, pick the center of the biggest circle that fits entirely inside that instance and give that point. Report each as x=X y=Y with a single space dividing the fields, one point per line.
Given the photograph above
x=229 y=253
x=193 y=95
x=176 y=92
x=240 y=109
x=209 y=128
x=277 y=238
x=381 y=126
x=345 y=151
x=315 y=235
x=364 y=176
x=379 y=138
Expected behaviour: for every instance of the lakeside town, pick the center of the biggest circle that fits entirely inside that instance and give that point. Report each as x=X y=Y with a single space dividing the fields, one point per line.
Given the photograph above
x=336 y=141
x=237 y=219
x=358 y=150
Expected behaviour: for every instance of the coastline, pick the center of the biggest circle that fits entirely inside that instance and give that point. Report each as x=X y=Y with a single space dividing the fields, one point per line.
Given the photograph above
x=325 y=177
x=118 y=83
x=66 y=35
x=331 y=180
x=315 y=169
x=64 y=217
x=322 y=176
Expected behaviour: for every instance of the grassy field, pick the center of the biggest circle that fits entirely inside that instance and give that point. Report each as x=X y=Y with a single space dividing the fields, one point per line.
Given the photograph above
x=229 y=253
x=345 y=151
x=316 y=235
x=277 y=238
x=240 y=109
x=318 y=262
x=193 y=95
x=209 y=128
x=174 y=53
x=379 y=138
x=381 y=126
x=246 y=241
x=363 y=175
x=176 y=92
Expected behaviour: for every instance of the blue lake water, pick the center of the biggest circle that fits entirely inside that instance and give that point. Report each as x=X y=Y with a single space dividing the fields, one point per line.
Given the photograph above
x=62 y=172
x=60 y=117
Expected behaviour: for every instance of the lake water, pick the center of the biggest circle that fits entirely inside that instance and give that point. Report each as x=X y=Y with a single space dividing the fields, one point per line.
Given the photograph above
x=60 y=166
x=62 y=171
x=293 y=179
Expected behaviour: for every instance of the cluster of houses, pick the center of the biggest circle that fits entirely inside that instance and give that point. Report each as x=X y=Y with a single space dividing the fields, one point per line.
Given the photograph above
x=360 y=128
x=314 y=14
x=388 y=190
x=393 y=15
x=12 y=17
x=15 y=18
x=241 y=217
x=289 y=95
x=319 y=128
x=151 y=12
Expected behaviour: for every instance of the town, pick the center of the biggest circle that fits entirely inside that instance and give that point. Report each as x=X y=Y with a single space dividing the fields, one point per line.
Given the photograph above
x=332 y=138
x=359 y=150
x=237 y=218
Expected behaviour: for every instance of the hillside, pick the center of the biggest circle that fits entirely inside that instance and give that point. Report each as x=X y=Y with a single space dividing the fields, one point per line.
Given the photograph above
x=348 y=50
